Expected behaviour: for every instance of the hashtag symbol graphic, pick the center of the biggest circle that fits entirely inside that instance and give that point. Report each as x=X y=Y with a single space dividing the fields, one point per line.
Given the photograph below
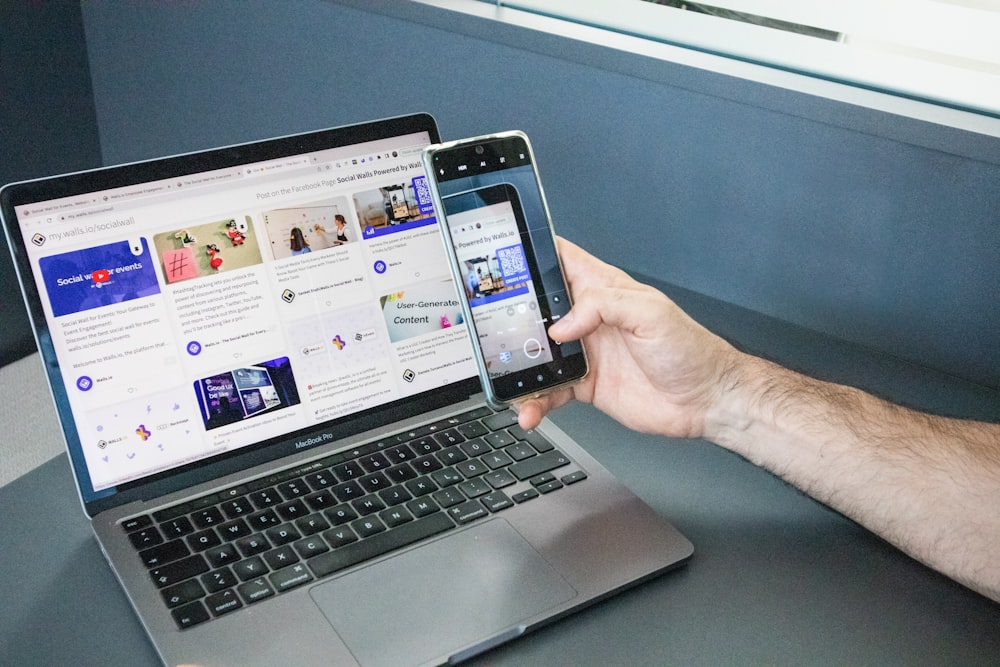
x=177 y=264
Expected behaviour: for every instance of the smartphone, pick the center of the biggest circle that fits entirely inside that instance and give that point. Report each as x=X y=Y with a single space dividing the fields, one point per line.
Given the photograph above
x=499 y=239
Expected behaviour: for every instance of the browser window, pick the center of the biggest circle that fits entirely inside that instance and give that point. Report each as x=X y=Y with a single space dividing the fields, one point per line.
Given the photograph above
x=197 y=315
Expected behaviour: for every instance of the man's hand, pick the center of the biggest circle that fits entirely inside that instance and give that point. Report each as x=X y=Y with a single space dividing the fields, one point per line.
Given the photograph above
x=652 y=367
x=927 y=484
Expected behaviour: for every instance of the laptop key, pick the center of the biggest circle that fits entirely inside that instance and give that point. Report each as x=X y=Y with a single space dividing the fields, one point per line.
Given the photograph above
x=179 y=570
x=223 y=602
x=401 y=473
x=290 y=577
x=250 y=568
x=217 y=580
x=237 y=507
x=522 y=496
x=178 y=527
x=320 y=500
x=537 y=440
x=379 y=544
x=367 y=526
x=499 y=439
x=293 y=489
x=190 y=615
x=291 y=510
x=252 y=544
x=207 y=517
x=338 y=537
x=520 y=451
x=448 y=438
x=310 y=546
x=538 y=464
x=347 y=491
x=374 y=482
x=348 y=471
x=265 y=498
x=395 y=516
x=182 y=593
x=474 y=488
x=373 y=462
x=400 y=454
x=136 y=523
x=447 y=477
x=421 y=486
x=476 y=447
x=501 y=420
x=500 y=479
x=320 y=480
x=206 y=539
x=448 y=497
x=234 y=529
x=425 y=446
x=147 y=537
x=278 y=558
x=467 y=511
x=341 y=514
x=426 y=464
x=310 y=525
x=164 y=553
x=219 y=556
x=283 y=534
x=472 y=430
x=422 y=507
x=496 y=501
x=255 y=590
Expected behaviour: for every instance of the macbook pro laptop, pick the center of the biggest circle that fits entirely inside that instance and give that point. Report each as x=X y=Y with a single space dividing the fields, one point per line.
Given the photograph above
x=272 y=413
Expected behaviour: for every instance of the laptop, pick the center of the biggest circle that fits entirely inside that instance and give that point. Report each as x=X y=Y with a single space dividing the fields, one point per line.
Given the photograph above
x=272 y=414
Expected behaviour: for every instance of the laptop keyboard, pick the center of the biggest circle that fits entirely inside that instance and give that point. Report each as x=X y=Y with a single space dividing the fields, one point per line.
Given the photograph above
x=225 y=551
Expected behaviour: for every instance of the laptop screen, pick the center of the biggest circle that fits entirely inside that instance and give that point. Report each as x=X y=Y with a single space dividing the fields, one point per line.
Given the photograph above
x=196 y=307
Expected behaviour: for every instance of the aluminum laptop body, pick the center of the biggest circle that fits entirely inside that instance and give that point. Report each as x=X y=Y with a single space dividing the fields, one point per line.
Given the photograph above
x=273 y=418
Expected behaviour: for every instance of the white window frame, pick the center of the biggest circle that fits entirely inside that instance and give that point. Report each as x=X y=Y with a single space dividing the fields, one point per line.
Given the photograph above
x=941 y=51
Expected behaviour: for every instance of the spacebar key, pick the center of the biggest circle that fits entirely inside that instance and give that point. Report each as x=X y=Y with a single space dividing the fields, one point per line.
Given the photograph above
x=378 y=544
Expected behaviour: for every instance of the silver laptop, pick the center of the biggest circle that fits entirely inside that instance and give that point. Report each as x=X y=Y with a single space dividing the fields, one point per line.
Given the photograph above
x=272 y=413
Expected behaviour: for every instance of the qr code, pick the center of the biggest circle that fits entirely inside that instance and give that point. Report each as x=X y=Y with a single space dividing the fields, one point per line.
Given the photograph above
x=512 y=263
x=423 y=194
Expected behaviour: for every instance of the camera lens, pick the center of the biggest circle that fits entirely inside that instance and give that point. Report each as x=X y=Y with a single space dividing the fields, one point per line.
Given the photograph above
x=479 y=150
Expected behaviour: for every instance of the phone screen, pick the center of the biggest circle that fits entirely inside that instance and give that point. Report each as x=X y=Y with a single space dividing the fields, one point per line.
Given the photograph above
x=504 y=247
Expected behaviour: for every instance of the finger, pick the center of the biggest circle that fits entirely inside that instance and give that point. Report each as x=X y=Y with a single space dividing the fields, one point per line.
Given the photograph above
x=583 y=269
x=530 y=412
x=634 y=311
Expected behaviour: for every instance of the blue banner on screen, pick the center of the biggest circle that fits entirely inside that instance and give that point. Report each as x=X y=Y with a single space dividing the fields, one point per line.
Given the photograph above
x=99 y=276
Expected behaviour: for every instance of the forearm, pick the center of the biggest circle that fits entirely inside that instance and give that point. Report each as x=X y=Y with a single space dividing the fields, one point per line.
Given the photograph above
x=929 y=485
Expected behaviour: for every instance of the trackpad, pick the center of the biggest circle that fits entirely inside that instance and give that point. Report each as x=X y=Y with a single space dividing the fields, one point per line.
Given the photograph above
x=433 y=600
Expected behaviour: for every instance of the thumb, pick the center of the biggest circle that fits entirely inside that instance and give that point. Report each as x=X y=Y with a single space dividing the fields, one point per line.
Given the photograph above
x=568 y=327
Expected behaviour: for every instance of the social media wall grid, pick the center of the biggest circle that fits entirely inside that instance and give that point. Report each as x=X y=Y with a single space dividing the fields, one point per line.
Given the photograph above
x=204 y=324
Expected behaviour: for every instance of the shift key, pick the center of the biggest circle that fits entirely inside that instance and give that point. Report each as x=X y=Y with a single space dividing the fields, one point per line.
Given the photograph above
x=536 y=465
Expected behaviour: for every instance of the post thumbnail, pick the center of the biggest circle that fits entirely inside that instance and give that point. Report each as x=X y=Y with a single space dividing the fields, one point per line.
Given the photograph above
x=246 y=392
x=393 y=207
x=204 y=250
x=421 y=309
x=98 y=276
x=309 y=228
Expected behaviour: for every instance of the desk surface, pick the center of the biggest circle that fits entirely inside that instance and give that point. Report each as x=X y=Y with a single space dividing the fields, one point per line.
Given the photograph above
x=776 y=578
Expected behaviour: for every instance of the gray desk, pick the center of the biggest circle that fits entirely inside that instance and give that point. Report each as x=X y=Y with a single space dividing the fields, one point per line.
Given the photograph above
x=776 y=578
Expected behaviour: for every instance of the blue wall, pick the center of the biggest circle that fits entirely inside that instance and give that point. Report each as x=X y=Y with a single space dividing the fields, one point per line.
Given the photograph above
x=47 y=123
x=873 y=228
